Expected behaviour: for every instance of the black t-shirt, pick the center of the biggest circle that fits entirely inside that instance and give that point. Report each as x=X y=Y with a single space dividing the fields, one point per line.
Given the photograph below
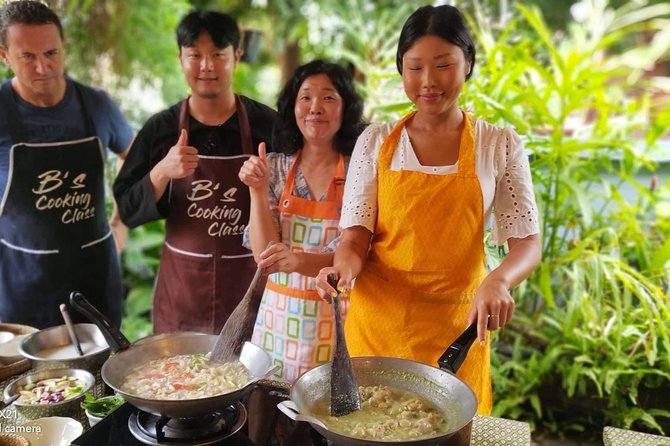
x=132 y=188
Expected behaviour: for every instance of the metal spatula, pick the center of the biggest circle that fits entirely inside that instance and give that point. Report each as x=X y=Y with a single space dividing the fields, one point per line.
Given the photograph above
x=235 y=331
x=344 y=396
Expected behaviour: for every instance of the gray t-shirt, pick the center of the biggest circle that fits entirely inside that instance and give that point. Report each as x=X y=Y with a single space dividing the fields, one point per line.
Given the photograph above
x=65 y=122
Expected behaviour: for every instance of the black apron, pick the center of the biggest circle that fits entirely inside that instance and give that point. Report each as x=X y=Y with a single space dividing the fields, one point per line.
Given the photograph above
x=54 y=234
x=204 y=269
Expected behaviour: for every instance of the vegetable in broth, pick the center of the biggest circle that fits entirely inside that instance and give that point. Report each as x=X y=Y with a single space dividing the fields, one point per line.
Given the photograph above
x=185 y=377
x=387 y=414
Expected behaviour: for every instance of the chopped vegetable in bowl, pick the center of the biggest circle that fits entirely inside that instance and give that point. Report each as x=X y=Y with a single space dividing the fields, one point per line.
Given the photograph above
x=101 y=407
x=51 y=390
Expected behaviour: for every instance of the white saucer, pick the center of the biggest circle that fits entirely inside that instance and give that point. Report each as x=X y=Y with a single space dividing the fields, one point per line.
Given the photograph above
x=9 y=351
x=6 y=336
x=55 y=431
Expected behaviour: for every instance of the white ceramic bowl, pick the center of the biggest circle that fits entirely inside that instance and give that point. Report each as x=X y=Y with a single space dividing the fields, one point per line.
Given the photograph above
x=6 y=336
x=53 y=431
x=92 y=419
x=9 y=350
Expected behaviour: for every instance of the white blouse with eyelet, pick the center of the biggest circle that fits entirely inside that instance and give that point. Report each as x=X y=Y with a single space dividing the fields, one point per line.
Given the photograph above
x=502 y=169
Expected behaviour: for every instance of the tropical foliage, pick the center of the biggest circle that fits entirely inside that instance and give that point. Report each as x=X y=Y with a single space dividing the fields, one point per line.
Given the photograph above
x=594 y=317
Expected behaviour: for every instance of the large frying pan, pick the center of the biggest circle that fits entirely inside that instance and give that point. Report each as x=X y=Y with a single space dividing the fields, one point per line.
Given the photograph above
x=438 y=385
x=257 y=361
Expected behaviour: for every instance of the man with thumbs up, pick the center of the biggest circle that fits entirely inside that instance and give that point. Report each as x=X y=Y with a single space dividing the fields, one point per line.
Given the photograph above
x=183 y=167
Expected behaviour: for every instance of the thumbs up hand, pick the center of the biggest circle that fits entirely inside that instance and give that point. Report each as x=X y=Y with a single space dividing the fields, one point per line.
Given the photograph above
x=180 y=161
x=255 y=172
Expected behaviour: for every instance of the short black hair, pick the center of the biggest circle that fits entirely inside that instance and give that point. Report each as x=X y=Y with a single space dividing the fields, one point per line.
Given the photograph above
x=443 y=21
x=26 y=12
x=287 y=137
x=220 y=26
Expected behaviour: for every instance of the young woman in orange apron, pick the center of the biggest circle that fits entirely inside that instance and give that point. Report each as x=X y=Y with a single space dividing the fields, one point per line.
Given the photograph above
x=296 y=200
x=417 y=197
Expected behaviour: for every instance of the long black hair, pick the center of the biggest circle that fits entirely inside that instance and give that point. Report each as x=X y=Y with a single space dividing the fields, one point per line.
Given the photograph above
x=443 y=21
x=287 y=137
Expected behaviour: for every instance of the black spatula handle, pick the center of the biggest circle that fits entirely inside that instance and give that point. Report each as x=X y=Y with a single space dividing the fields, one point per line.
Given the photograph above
x=333 y=279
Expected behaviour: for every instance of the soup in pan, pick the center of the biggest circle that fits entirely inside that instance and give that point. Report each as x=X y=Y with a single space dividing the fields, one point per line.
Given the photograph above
x=185 y=377
x=387 y=414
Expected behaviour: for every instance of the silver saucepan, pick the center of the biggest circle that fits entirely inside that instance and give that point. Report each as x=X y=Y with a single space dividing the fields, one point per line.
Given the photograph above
x=257 y=361
x=437 y=385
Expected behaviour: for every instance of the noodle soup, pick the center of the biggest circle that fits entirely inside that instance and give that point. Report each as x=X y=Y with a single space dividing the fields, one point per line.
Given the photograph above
x=185 y=377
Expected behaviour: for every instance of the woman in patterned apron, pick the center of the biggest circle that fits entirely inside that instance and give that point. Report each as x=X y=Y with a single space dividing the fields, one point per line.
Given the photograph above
x=417 y=198
x=296 y=197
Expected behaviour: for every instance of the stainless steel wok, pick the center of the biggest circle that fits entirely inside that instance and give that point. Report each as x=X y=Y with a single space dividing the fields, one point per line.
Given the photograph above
x=439 y=386
x=257 y=361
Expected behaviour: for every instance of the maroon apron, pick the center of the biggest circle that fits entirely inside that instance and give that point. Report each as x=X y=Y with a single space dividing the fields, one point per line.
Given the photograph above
x=204 y=269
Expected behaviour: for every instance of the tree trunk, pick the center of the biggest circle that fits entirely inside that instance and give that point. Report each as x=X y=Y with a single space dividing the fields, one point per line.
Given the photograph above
x=289 y=60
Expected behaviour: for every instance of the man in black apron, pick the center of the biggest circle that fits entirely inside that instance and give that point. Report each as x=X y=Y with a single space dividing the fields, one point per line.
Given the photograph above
x=54 y=234
x=183 y=166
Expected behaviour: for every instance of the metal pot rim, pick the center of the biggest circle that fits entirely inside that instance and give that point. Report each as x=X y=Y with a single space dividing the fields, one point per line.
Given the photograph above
x=32 y=336
x=407 y=365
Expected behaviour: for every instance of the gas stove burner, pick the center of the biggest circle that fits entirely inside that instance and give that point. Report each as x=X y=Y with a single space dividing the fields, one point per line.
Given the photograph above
x=199 y=431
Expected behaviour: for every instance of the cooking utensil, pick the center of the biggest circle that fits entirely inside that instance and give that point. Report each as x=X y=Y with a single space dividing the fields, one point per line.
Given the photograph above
x=68 y=407
x=236 y=329
x=40 y=347
x=8 y=401
x=70 y=328
x=127 y=357
x=344 y=396
x=440 y=387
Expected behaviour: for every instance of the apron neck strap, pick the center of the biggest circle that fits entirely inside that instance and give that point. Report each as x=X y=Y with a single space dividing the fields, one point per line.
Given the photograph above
x=17 y=131
x=88 y=119
x=183 y=116
x=336 y=188
x=242 y=119
x=466 y=156
x=245 y=127
x=391 y=142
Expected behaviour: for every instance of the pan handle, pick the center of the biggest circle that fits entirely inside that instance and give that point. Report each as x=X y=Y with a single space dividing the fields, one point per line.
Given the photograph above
x=116 y=340
x=455 y=354
x=289 y=409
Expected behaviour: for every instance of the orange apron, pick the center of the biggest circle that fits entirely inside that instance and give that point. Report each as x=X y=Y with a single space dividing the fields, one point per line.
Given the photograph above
x=426 y=262
x=293 y=325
